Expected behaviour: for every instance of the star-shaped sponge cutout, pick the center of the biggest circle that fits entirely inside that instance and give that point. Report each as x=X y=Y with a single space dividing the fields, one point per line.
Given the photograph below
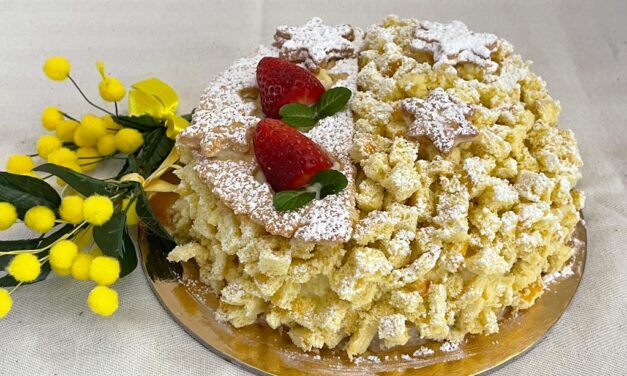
x=315 y=43
x=452 y=43
x=441 y=118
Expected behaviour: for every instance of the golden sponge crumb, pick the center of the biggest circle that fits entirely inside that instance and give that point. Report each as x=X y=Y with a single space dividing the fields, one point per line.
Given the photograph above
x=443 y=244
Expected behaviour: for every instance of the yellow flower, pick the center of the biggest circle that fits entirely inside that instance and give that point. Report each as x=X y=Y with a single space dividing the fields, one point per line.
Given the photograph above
x=131 y=213
x=24 y=267
x=57 y=68
x=110 y=124
x=20 y=164
x=88 y=158
x=111 y=89
x=81 y=265
x=47 y=144
x=62 y=254
x=63 y=157
x=51 y=117
x=8 y=215
x=128 y=140
x=157 y=99
x=71 y=209
x=97 y=209
x=66 y=129
x=5 y=303
x=94 y=127
x=39 y=218
x=104 y=270
x=103 y=301
x=106 y=145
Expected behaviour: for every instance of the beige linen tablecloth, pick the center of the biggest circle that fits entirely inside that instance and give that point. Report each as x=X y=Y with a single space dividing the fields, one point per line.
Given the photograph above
x=580 y=48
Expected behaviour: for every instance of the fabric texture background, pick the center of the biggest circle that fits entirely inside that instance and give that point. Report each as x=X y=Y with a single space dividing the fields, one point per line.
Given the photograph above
x=580 y=48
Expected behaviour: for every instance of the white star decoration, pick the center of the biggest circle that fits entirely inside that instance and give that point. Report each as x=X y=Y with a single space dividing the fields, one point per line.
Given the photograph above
x=453 y=43
x=441 y=118
x=315 y=43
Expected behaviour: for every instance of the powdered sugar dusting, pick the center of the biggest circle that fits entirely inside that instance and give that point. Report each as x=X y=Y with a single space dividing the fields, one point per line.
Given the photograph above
x=223 y=119
x=314 y=43
x=452 y=43
x=442 y=118
x=422 y=352
x=221 y=145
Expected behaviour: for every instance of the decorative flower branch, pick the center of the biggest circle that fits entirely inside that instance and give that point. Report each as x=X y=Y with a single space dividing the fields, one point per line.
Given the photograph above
x=84 y=232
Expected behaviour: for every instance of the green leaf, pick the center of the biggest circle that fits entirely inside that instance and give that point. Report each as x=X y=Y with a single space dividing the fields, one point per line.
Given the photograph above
x=156 y=148
x=332 y=101
x=113 y=239
x=83 y=184
x=289 y=200
x=24 y=192
x=109 y=236
x=148 y=217
x=331 y=181
x=141 y=123
x=128 y=262
x=298 y=116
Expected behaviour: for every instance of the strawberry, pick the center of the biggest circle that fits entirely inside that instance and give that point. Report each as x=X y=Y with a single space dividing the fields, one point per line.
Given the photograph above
x=281 y=82
x=288 y=158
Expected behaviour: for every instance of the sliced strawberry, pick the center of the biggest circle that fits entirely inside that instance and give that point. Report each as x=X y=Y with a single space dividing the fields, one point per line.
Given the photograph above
x=288 y=158
x=281 y=82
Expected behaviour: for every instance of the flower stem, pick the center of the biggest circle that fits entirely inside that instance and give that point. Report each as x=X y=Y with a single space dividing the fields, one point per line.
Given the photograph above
x=15 y=288
x=68 y=116
x=116 y=108
x=87 y=99
x=64 y=237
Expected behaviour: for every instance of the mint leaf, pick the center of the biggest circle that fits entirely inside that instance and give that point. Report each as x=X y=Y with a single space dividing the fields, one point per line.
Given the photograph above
x=289 y=200
x=331 y=181
x=332 y=101
x=298 y=116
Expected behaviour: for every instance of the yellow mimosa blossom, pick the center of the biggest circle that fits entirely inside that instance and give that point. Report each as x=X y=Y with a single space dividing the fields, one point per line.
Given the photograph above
x=131 y=212
x=88 y=158
x=157 y=99
x=62 y=254
x=63 y=157
x=110 y=124
x=111 y=89
x=128 y=140
x=106 y=145
x=104 y=270
x=50 y=118
x=39 y=218
x=97 y=209
x=8 y=215
x=94 y=127
x=24 y=267
x=103 y=301
x=5 y=303
x=66 y=129
x=71 y=209
x=57 y=68
x=20 y=164
x=80 y=266
x=46 y=144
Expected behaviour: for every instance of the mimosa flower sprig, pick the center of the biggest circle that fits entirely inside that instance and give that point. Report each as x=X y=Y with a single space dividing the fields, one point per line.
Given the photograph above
x=84 y=231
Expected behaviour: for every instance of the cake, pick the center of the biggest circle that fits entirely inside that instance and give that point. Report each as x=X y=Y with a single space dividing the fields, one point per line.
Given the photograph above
x=460 y=190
